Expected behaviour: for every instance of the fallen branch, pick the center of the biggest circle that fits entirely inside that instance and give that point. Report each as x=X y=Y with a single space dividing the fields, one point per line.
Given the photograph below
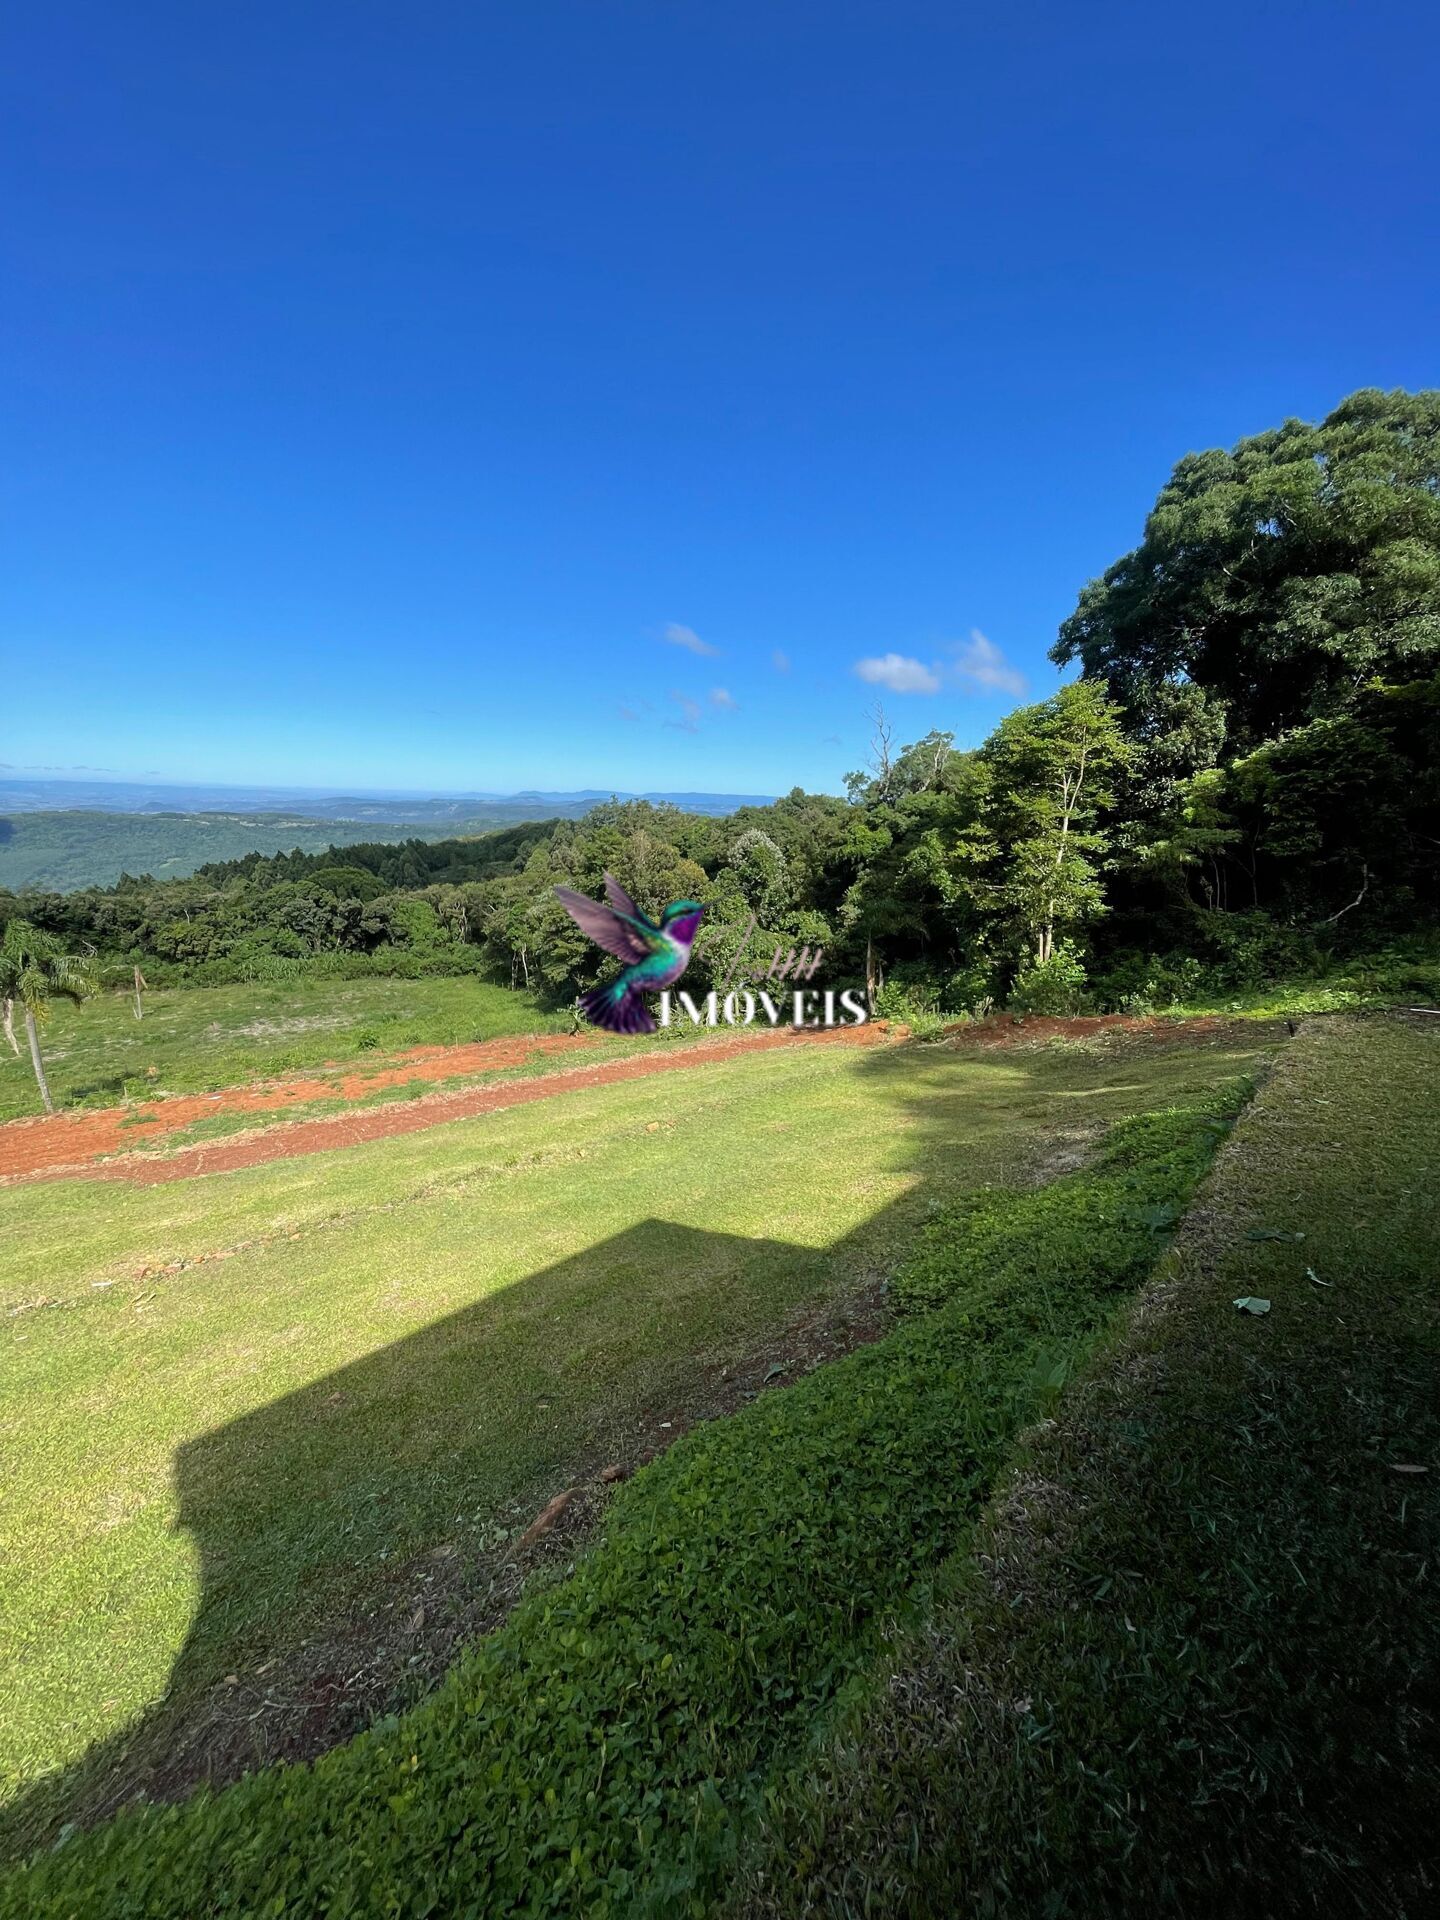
x=1330 y=920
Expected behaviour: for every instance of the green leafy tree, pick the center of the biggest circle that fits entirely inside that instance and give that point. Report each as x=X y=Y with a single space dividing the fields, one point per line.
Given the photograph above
x=1177 y=737
x=347 y=883
x=34 y=972
x=1280 y=576
x=653 y=871
x=1196 y=837
x=760 y=869
x=930 y=765
x=1053 y=769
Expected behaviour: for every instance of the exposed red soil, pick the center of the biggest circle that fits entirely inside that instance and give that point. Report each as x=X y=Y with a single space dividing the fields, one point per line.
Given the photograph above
x=69 y=1145
x=71 y=1139
x=66 y=1146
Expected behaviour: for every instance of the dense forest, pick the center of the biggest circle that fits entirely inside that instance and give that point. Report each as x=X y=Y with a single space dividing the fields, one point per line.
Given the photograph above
x=1240 y=785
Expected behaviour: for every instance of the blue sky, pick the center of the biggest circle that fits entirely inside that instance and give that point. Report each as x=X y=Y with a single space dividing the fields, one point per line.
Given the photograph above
x=464 y=396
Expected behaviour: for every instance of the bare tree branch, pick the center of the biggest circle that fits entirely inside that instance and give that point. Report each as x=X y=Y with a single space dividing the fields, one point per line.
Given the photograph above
x=881 y=742
x=1330 y=919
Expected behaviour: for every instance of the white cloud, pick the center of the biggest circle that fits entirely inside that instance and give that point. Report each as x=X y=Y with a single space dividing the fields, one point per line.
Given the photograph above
x=980 y=663
x=678 y=636
x=722 y=698
x=899 y=673
x=780 y=660
x=690 y=710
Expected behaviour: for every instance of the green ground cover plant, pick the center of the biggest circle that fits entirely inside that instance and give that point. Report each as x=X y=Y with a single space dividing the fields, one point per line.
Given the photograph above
x=1191 y=1663
x=1100 y=1231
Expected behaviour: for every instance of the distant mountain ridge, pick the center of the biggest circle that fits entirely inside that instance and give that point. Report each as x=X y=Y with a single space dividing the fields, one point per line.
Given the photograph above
x=318 y=803
x=54 y=836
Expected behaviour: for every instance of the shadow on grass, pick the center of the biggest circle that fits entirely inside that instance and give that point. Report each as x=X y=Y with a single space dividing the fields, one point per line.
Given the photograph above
x=317 y=1519
x=110 y=1084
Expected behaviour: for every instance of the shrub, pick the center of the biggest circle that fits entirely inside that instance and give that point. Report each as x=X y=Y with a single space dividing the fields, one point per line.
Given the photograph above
x=1144 y=983
x=911 y=996
x=1253 y=949
x=970 y=990
x=1053 y=986
x=927 y=1000
x=912 y=1007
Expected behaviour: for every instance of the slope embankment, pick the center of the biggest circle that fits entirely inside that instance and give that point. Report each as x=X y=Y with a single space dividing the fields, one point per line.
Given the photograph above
x=1192 y=1663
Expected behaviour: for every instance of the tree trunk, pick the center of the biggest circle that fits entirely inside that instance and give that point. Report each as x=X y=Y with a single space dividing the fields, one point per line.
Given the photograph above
x=8 y=1014
x=39 y=1064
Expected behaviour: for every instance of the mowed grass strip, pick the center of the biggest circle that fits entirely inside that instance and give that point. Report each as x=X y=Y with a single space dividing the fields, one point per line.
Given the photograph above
x=1192 y=1665
x=199 y=1039
x=599 y=1753
x=207 y=1462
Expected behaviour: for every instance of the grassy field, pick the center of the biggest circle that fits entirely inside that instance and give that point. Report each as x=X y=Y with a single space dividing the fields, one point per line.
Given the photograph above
x=1192 y=1664
x=412 y=1344
x=198 y=1039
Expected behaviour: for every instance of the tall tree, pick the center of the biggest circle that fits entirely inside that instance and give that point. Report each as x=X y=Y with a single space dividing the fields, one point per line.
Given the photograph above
x=1282 y=576
x=761 y=872
x=33 y=973
x=1052 y=771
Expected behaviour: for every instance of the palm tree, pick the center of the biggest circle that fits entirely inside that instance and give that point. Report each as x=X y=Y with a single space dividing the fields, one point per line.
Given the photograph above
x=33 y=971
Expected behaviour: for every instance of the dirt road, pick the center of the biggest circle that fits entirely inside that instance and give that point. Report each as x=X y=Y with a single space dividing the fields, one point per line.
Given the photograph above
x=71 y=1145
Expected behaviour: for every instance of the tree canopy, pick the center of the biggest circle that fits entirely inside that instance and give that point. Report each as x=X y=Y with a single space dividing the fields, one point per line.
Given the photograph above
x=1280 y=577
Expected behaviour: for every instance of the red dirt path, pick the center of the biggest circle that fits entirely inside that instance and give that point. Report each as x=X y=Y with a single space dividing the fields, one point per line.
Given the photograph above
x=70 y=1139
x=66 y=1145
x=69 y=1145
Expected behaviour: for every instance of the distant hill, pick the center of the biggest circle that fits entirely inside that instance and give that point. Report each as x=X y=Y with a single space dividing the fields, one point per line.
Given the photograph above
x=61 y=847
x=316 y=803
x=62 y=851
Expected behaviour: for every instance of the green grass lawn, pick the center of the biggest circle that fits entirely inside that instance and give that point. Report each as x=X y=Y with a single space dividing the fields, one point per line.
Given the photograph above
x=197 y=1039
x=1192 y=1664
x=420 y=1340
